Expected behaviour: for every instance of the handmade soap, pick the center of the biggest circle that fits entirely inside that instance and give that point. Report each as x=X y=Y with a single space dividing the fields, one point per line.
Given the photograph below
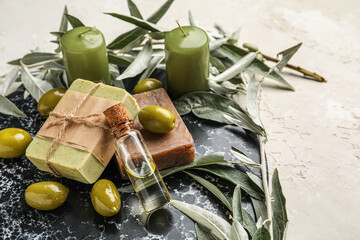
x=69 y=158
x=168 y=150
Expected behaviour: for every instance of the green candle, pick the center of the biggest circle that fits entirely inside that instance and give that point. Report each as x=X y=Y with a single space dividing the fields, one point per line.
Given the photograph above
x=187 y=60
x=85 y=55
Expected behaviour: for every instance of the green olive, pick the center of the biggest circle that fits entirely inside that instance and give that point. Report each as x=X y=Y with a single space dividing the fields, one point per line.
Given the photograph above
x=46 y=195
x=105 y=198
x=49 y=100
x=157 y=119
x=13 y=142
x=147 y=85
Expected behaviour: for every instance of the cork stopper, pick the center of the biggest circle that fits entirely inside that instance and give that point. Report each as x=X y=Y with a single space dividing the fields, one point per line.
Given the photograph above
x=118 y=119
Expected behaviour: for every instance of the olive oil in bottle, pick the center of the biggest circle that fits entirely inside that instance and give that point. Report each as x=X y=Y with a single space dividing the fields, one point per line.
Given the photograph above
x=137 y=160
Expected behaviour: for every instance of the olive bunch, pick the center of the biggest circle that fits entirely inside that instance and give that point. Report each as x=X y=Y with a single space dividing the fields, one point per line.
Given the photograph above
x=49 y=195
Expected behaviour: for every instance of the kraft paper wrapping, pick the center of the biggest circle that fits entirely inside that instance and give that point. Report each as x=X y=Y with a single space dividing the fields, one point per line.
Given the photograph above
x=95 y=140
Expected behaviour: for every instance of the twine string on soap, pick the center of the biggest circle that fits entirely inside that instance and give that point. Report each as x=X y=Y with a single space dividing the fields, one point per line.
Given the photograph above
x=61 y=118
x=65 y=120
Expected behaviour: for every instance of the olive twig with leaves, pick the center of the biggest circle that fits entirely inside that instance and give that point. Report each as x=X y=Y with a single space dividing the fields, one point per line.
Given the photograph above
x=252 y=48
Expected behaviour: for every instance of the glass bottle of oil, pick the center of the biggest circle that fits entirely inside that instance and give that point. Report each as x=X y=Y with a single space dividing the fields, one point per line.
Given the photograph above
x=137 y=160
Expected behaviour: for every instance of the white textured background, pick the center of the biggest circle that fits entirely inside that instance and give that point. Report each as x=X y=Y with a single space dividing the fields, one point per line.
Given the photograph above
x=314 y=132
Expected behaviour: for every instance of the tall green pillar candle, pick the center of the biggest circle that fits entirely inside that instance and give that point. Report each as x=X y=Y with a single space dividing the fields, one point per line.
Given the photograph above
x=85 y=55
x=187 y=60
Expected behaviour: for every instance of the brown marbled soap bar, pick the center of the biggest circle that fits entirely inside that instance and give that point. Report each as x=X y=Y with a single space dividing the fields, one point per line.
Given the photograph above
x=168 y=150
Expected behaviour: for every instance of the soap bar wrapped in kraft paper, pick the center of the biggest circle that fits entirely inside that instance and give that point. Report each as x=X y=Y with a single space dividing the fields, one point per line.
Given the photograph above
x=172 y=149
x=74 y=142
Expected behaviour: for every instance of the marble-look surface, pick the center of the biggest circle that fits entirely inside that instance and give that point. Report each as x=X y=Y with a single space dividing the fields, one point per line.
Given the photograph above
x=314 y=132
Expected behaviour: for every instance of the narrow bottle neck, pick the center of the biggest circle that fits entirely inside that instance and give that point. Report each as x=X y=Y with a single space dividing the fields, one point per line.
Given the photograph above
x=122 y=128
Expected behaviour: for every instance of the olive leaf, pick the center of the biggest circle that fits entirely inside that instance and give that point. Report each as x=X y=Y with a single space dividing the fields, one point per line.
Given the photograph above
x=255 y=179
x=217 y=63
x=203 y=234
x=54 y=77
x=212 y=188
x=252 y=102
x=37 y=57
x=243 y=158
x=26 y=94
x=119 y=60
x=127 y=37
x=38 y=74
x=236 y=204
x=147 y=25
x=154 y=62
x=213 y=71
x=285 y=231
x=235 y=36
x=234 y=84
x=9 y=108
x=219 y=88
x=64 y=22
x=259 y=208
x=135 y=43
x=192 y=21
x=139 y=64
x=241 y=119
x=238 y=232
x=57 y=34
x=9 y=79
x=155 y=17
x=215 y=44
x=279 y=219
x=74 y=21
x=221 y=29
x=248 y=222
x=250 y=47
x=235 y=176
x=210 y=159
x=257 y=66
x=217 y=225
x=157 y=52
x=53 y=66
x=134 y=11
x=119 y=84
x=65 y=79
x=235 y=69
x=63 y=27
x=35 y=86
x=262 y=234
x=157 y=35
x=15 y=62
x=55 y=41
x=213 y=36
x=227 y=56
x=286 y=55
x=240 y=214
x=213 y=158
x=114 y=73
x=259 y=223
x=206 y=105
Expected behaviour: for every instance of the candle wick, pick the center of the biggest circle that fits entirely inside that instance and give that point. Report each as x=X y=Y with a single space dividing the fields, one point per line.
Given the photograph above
x=182 y=30
x=89 y=30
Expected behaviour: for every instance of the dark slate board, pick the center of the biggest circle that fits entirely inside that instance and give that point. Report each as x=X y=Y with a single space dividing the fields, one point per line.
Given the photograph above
x=77 y=219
